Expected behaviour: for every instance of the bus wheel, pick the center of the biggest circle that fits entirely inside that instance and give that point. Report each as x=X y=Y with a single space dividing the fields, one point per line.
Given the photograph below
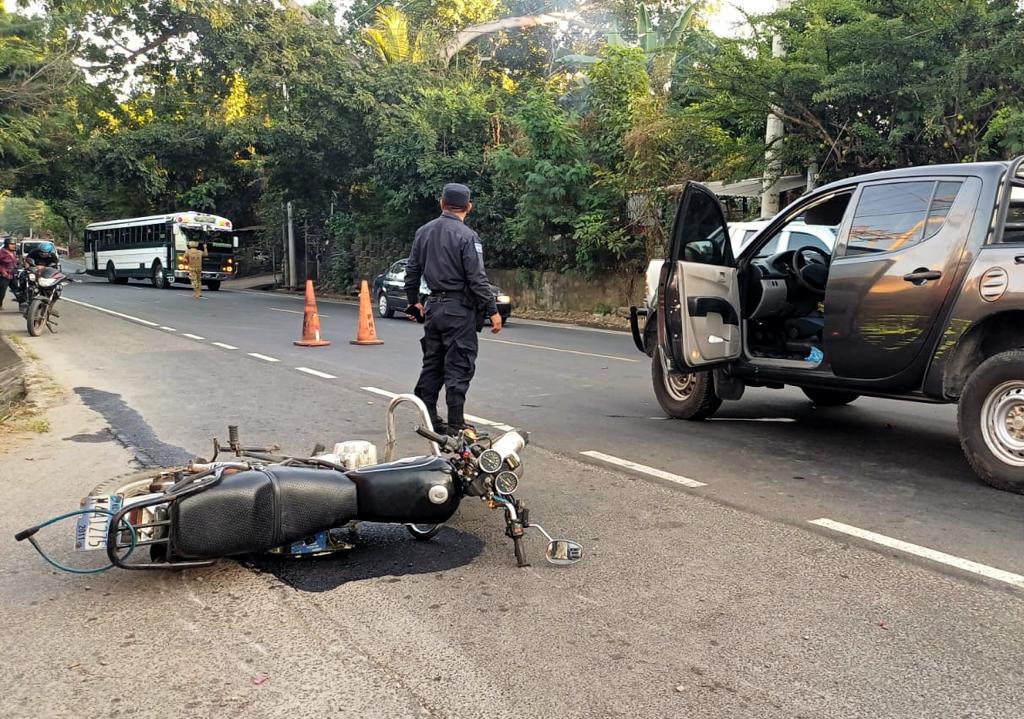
x=213 y=285
x=111 y=276
x=159 y=279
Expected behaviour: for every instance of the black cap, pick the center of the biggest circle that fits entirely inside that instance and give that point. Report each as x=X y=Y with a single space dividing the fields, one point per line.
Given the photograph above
x=455 y=195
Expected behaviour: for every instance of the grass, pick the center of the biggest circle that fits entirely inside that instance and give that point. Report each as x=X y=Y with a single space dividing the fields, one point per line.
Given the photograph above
x=24 y=418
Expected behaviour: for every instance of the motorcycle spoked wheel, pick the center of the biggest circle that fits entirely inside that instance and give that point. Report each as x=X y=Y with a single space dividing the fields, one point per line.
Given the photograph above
x=136 y=484
x=36 y=317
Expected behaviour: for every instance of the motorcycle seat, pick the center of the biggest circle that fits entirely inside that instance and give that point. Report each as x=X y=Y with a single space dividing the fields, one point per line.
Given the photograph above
x=260 y=509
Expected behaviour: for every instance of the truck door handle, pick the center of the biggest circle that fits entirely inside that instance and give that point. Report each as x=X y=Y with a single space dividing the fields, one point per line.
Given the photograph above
x=922 y=275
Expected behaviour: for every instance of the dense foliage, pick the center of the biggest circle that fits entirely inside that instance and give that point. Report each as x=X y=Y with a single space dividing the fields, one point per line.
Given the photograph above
x=567 y=121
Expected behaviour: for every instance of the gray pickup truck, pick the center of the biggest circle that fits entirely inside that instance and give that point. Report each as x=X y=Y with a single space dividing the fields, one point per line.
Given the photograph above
x=921 y=298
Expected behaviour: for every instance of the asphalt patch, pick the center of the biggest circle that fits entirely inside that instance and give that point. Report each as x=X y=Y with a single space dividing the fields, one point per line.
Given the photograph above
x=382 y=550
x=129 y=428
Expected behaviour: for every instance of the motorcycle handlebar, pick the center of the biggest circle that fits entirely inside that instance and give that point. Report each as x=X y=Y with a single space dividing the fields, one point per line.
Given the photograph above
x=446 y=443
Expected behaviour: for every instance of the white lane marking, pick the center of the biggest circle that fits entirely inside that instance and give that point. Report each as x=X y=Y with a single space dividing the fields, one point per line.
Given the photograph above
x=257 y=355
x=752 y=419
x=192 y=337
x=559 y=349
x=644 y=469
x=316 y=373
x=225 y=346
x=480 y=420
x=471 y=417
x=111 y=312
x=1015 y=580
x=293 y=312
x=169 y=329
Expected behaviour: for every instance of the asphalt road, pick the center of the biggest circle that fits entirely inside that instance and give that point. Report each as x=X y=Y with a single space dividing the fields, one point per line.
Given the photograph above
x=720 y=600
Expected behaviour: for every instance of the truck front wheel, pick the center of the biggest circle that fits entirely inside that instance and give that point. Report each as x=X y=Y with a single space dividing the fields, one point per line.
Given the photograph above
x=684 y=396
x=990 y=419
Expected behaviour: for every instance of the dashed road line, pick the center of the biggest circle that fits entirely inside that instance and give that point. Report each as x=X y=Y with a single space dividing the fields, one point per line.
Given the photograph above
x=258 y=356
x=191 y=336
x=224 y=346
x=752 y=419
x=169 y=329
x=559 y=349
x=316 y=373
x=471 y=417
x=1014 y=580
x=111 y=312
x=643 y=469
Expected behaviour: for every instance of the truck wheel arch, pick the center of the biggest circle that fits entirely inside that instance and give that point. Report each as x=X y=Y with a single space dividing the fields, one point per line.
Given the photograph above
x=996 y=333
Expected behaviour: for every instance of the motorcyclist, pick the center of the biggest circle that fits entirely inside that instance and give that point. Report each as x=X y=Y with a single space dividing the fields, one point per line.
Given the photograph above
x=45 y=255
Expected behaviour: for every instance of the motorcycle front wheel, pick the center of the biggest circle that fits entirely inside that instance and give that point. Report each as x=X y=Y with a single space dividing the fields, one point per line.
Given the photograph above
x=35 y=316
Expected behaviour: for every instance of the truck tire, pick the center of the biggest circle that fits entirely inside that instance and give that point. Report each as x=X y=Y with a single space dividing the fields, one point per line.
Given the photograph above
x=828 y=397
x=990 y=420
x=691 y=396
x=212 y=285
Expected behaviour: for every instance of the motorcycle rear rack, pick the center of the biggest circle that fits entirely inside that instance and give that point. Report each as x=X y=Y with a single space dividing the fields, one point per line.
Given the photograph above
x=178 y=491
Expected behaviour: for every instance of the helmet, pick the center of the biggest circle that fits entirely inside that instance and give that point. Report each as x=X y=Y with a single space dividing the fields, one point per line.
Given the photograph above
x=46 y=247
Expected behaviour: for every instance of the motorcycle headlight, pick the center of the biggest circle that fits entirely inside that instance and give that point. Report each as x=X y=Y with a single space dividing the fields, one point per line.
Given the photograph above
x=504 y=299
x=47 y=281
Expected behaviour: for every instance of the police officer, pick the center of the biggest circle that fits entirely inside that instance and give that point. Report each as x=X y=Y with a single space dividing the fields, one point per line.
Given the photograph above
x=194 y=261
x=449 y=256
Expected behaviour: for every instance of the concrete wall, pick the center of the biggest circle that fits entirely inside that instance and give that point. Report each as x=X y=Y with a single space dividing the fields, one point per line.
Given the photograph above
x=569 y=292
x=12 y=376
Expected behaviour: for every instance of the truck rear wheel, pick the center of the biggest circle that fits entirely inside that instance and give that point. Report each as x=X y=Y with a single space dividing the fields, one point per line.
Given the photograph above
x=684 y=396
x=990 y=418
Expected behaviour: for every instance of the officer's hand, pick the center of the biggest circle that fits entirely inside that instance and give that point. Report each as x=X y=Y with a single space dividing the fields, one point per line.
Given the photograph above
x=411 y=316
x=495 y=323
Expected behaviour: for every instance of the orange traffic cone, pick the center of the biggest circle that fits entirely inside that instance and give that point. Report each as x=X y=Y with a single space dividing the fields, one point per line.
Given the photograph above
x=311 y=321
x=367 y=334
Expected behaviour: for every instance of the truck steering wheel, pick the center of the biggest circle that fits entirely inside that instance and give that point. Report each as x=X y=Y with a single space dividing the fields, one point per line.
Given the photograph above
x=811 y=272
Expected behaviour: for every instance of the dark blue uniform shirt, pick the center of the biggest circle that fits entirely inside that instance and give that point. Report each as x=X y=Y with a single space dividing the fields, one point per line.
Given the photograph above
x=450 y=257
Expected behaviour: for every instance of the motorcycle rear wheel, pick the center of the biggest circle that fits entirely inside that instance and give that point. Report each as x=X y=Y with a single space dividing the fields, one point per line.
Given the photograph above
x=423 y=532
x=35 y=317
x=135 y=484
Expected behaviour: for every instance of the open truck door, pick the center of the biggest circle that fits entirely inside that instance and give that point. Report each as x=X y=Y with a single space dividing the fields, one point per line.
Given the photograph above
x=698 y=292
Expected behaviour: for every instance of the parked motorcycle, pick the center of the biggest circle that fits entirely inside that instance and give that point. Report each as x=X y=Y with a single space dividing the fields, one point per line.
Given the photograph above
x=256 y=500
x=42 y=289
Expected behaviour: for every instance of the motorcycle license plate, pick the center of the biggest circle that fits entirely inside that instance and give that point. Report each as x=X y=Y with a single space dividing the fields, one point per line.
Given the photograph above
x=92 y=528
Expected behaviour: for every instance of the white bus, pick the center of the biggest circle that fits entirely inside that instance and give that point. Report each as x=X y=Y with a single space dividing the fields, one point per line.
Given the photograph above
x=153 y=248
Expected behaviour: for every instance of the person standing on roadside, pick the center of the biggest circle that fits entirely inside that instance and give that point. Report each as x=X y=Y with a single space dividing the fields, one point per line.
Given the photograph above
x=8 y=266
x=449 y=257
x=194 y=261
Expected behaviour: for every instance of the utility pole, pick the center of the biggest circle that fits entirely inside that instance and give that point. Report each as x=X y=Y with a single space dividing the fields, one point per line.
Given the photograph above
x=293 y=275
x=773 y=139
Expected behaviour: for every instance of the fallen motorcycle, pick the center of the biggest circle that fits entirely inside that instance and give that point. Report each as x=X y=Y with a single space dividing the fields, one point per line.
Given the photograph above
x=43 y=287
x=257 y=500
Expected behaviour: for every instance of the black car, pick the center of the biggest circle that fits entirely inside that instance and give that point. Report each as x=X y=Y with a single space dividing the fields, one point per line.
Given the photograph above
x=389 y=293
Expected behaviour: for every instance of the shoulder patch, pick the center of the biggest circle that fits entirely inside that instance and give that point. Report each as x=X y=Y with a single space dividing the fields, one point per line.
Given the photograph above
x=479 y=247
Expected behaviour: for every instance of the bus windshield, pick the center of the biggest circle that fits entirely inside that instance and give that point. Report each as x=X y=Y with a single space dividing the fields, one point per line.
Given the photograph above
x=216 y=238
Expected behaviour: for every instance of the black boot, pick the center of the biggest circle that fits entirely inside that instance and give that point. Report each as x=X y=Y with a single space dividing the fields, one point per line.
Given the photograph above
x=456 y=420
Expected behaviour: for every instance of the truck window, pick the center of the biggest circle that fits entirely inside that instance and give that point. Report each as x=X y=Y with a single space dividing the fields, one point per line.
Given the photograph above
x=898 y=215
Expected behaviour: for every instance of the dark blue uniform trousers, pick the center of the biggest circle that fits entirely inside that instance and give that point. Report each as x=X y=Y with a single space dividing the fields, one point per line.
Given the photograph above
x=450 y=346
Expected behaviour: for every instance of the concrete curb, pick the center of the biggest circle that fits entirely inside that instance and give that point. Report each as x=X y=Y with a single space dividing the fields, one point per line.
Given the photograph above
x=12 y=376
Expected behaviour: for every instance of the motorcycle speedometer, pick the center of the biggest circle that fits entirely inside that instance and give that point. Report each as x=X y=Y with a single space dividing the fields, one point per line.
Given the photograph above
x=506 y=482
x=490 y=461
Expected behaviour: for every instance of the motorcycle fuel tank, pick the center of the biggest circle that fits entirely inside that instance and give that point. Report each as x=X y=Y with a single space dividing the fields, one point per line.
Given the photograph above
x=416 y=490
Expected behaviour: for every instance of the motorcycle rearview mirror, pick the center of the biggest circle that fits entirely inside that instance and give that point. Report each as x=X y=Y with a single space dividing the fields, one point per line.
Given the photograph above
x=563 y=551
